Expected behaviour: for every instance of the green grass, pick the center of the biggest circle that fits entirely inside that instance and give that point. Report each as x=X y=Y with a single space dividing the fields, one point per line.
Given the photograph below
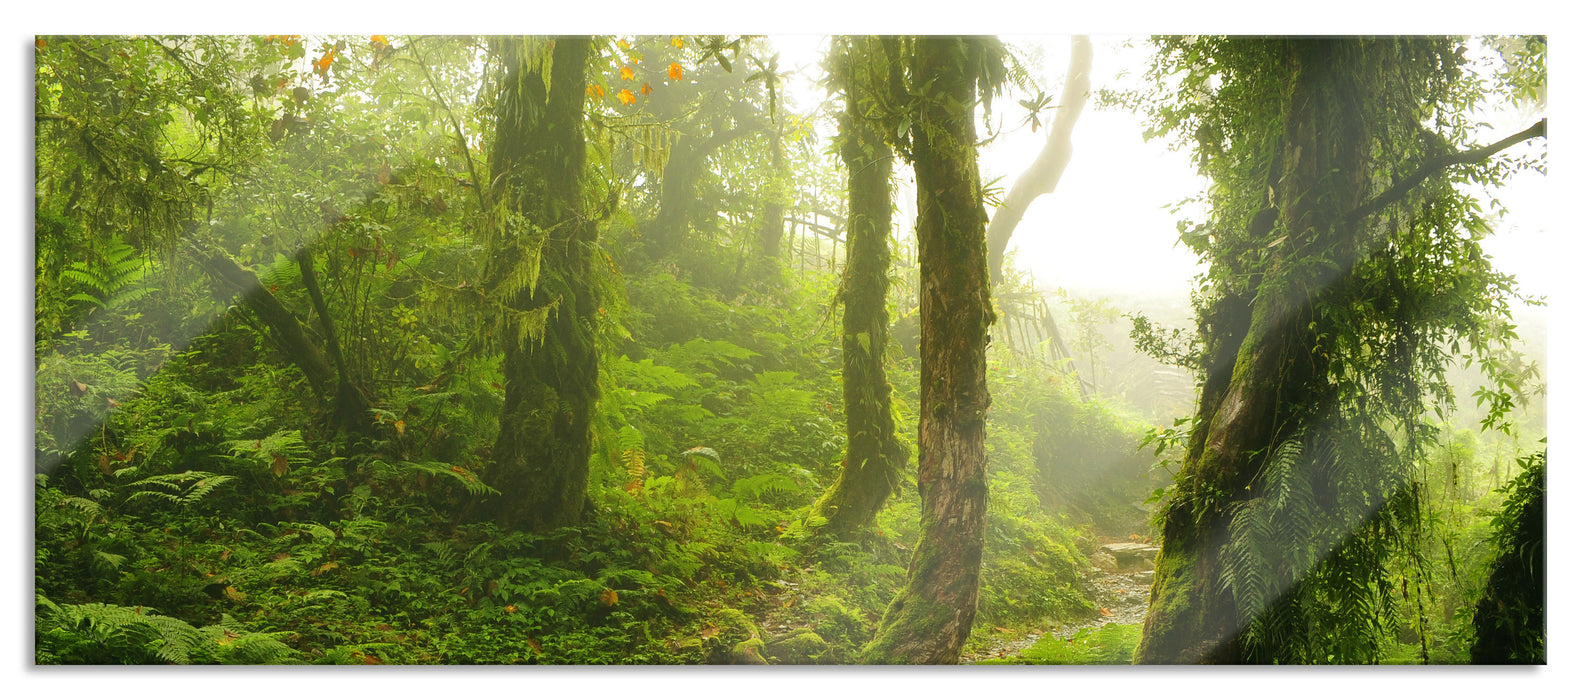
x=1108 y=645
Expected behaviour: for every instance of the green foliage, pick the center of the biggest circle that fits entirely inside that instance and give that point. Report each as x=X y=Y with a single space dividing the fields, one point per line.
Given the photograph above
x=1109 y=645
x=1510 y=622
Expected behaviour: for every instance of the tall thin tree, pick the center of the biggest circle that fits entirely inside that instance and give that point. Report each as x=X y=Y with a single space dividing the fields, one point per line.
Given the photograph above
x=929 y=619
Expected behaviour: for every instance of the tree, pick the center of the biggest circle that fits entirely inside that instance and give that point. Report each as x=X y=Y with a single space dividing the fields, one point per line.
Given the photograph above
x=1343 y=260
x=1043 y=175
x=540 y=273
x=874 y=456
x=929 y=619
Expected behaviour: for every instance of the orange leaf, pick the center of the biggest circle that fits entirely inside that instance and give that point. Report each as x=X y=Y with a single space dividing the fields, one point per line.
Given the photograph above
x=623 y=44
x=233 y=594
x=675 y=71
x=678 y=42
x=323 y=64
x=326 y=567
x=39 y=43
x=627 y=73
x=510 y=608
x=537 y=647
x=379 y=39
x=400 y=426
x=595 y=90
x=626 y=97
x=280 y=466
x=1105 y=611
x=609 y=598
x=645 y=90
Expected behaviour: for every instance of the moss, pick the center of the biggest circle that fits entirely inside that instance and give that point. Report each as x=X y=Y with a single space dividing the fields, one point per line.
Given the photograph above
x=805 y=648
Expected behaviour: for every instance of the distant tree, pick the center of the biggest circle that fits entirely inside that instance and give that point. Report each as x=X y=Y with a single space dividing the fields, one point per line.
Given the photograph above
x=1043 y=175
x=874 y=456
x=929 y=619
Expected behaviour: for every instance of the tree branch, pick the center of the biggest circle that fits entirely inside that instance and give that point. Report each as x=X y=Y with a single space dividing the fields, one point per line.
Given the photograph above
x=1434 y=165
x=1044 y=174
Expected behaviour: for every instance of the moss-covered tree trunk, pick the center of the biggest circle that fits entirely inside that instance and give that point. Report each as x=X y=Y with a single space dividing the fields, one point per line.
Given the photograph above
x=930 y=618
x=1250 y=402
x=540 y=458
x=874 y=457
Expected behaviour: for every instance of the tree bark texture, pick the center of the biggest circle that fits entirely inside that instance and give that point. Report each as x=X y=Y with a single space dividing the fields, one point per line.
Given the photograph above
x=1244 y=411
x=930 y=618
x=540 y=457
x=874 y=457
x=1043 y=175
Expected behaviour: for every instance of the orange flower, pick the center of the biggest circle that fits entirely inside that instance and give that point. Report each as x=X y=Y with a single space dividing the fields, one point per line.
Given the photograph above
x=675 y=71
x=626 y=97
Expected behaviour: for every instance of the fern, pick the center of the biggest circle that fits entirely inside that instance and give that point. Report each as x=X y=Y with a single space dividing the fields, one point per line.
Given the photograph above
x=630 y=442
x=185 y=488
x=104 y=633
x=114 y=281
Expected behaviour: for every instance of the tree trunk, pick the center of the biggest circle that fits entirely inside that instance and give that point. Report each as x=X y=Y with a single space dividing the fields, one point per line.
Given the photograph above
x=550 y=358
x=930 y=618
x=1192 y=616
x=350 y=409
x=874 y=457
x=237 y=282
x=1044 y=174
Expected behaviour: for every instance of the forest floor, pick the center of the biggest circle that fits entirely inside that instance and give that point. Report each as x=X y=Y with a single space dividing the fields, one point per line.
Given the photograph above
x=1124 y=595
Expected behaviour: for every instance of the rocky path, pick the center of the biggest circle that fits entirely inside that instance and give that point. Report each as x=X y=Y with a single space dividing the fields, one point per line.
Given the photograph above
x=1120 y=586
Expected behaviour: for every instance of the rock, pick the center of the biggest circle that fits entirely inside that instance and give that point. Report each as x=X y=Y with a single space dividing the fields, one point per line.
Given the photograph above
x=804 y=648
x=1104 y=561
x=1144 y=578
x=1132 y=556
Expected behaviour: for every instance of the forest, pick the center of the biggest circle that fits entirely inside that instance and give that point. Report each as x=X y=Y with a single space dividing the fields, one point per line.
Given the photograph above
x=724 y=349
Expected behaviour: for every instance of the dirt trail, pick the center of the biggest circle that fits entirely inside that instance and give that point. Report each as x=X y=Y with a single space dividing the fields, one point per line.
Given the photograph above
x=1124 y=594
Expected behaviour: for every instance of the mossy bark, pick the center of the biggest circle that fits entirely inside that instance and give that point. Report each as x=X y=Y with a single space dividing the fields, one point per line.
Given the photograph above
x=874 y=456
x=540 y=457
x=930 y=618
x=1247 y=404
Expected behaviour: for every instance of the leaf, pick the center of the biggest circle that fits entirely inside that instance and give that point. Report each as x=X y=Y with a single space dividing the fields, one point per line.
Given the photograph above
x=675 y=71
x=379 y=39
x=626 y=97
x=675 y=41
x=1106 y=612
x=280 y=466
x=627 y=73
x=233 y=594
x=400 y=427
x=595 y=90
x=609 y=598
x=324 y=568
x=646 y=89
